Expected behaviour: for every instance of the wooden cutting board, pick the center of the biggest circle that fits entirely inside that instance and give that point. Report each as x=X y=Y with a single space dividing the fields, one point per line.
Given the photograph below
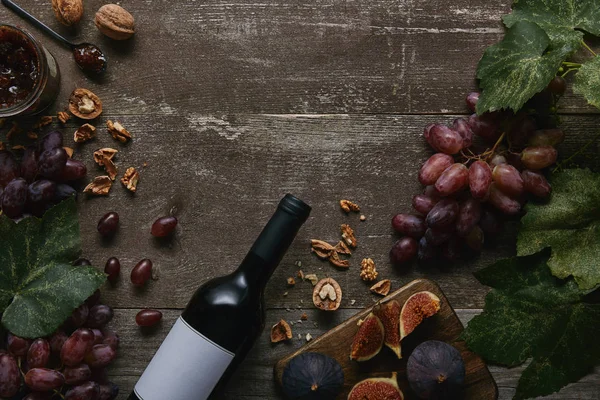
x=444 y=326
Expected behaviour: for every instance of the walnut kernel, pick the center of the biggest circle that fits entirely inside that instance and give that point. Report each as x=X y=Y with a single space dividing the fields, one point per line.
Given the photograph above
x=348 y=206
x=130 y=179
x=312 y=278
x=84 y=133
x=348 y=235
x=367 y=270
x=63 y=117
x=327 y=295
x=100 y=186
x=117 y=131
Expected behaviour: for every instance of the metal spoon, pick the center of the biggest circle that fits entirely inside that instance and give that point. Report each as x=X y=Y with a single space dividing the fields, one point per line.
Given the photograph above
x=87 y=56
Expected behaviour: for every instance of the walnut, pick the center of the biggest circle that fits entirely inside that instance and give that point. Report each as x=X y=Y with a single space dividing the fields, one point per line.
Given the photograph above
x=312 y=278
x=115 y=22
x=349 y=206
x=281 y=331
x=84 y=133
x=63 y=117
x=335 y=259
x=291 y=281
x=117 y=131
x=84 y=104
x=44 y=121
x=342 y=248
x=130 y=179
x=69 y=151
x=348 y=235
x=367 y=270
x=327 y=295
x=100 y=186
x=322 y=249
x=32 y=135
x=304 y=317
x=103 y=154
x=68 y=12
x=382 y=287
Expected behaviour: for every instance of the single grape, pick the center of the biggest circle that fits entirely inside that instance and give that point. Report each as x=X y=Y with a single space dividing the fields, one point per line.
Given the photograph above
x=86 y=391
x=53 y=140
x=536 y=183
x=29 y=169
x=451 y=249
x=497 y=160
x=502 y=201
x=10 y=377
x=76 y=346
x=514 y=159
x=110 y=338
x=44 y=379
x=57 y=340
x=480 y=179
x=52 y=162
x=434 y=167
x=9 y=169
x=438 y=236
x=558 y=85
x=112 y=269
x=148 y=317
x=98 y=336
x=93 y=299
x=520 y=131
x=73 y=170
x=461 y=126
x=108 y=224
x=141 y=273
x=163 y=226
x=471 y=100
x=426 y=252
x=38 y=396
x=468 y=216
x=14 y=198
x=100 y=356
x=80 y=315
x=431 y=191
x=453 y=179
x=538 y=157
x=490 y=223
x=38 y=354
x=403 y=250
x=547 y=137
x=409 y=225
x=443 y=214
x=508 y=180
x=80 y=262
x=17 y=346
x=40 y=195
x=445 y=139
x=63 y=192
x=427 y=133
x=77 y=374
x=100 y=315
x=475 y=239
x=109 y=391
x=423 y=204
x=485 y=127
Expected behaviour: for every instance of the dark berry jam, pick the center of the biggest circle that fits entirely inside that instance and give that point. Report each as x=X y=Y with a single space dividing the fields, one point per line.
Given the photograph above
x=90 y=59
x=19 y=67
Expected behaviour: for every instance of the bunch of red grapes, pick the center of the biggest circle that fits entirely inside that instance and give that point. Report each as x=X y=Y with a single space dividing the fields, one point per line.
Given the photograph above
x=68 y=365
x=469 y=189
x=40 y=179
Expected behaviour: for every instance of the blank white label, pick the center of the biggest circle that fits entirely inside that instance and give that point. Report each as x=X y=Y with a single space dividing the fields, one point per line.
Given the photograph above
x=187 y=366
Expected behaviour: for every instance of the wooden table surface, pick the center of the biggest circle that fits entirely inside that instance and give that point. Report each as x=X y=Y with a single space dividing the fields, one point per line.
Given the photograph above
x=233 y=104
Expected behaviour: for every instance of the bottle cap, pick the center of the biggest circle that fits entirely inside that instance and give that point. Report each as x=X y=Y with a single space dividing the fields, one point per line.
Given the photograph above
x=295 y=206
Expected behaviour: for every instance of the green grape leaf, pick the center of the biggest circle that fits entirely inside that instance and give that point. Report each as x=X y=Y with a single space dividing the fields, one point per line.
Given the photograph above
x=521 y=65
x=587 y=81
x=39 y=288
x=569 y=224
x=563 y=20
x=531 y=314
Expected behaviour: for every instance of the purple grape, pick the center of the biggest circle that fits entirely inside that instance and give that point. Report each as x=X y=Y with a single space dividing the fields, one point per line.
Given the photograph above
x=490 y=223
x=508 y=180
x=142 y=272
x=547 y=137
x=514 y=159
x=63 y=192
x=403 y=250
x=17 y=346
x=451 y=250
x=29 y=168
x=40 y=195
x=80 y=315
x=480 y=179
x=433 y=168
x=112 y=269
x=99 y=316
x=497 y=160
x=81 y=262
x=148 y=317
x=520 y=131
x=52 y=162
x=423 y=204
x=536 y=183
x=76 y=346
x=461 y=126
x=57 y=340
x=109 y=391
x=44 y=379
x=38 y=396
x=111 y=339
x=471 y=100
x=475 y=239
x=38 y=354
x=10 y=378
x=453 y=179
x=427 y=133
x=98 y=336
x=14 y=198
x=558 y=85
x=77 y=374
x=100 y=356
x=86 y=391
x=9 y=169
x=426 y=252
x=485 y=127
x=438 y=236
x=53 y=140
x=409 y=225
x=468 y=216
x=73 y=170
x=443 y=214
x=445 y=139
x=502 y=201
x=538 y=157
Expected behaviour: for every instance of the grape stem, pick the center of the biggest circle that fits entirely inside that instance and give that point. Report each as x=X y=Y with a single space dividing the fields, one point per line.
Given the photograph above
x=581 y=150
x=571 y=64
x=567 y=71
x=588 y=48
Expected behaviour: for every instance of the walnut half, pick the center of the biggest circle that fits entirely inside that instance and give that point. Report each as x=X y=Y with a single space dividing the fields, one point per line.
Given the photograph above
x=84 y=104
x=348 y=206
x=367 y=270
x=348 y=235
x=327 y=295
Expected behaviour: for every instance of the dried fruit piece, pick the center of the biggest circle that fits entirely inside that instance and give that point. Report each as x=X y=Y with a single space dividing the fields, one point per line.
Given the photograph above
x=63 y=117
x=84 y=104
x=291 y=281
x=84 y=133
x=335 y=259
x=130 y=179
x=327 y=295
x=368 y=341
x=349 y=206
x=281 y=331
x=389 y=315
x=312 y=376
x=117 y=131
x=321 y=248
x=377 y=389
x=382 y=287
x=348 y=235
x=342 y=248
x=368 y=272
x=419 y=306
x=100 y=186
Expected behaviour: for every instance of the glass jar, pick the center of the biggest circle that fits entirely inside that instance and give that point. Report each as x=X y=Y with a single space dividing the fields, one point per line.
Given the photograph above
x=29 y=74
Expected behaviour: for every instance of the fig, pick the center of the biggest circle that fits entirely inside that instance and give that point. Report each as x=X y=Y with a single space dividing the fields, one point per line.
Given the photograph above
x=377 y=389
x=389 y=315
x=436 y=370
x=368 y=340
x=419 y=306
x=312 y=376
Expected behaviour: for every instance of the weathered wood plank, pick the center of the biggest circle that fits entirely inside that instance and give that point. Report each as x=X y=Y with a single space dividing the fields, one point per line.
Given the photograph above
x=254 y=379
x=383 y=56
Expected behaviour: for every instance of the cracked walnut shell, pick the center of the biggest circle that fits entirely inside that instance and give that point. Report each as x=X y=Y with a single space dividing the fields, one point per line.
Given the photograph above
x=84 y=133
x=117 y=131
x=100 y=186
x=84 y=104
x=382 y=287
x=281 y=331
x=327 y=295
x=130 y=179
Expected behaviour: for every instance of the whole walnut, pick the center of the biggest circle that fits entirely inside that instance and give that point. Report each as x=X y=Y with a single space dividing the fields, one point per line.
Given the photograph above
x=115 y=22
x=68 y=12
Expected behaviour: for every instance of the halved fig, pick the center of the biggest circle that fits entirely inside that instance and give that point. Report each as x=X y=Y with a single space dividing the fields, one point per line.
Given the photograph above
x=389 y=314
x=419 y=306
x=368 y=340
x=377 y=389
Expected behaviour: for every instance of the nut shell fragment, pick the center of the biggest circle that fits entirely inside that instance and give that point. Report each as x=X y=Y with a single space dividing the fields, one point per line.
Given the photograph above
x=63 y=117
x=84 y=133
x=117 y=131
x=130 y=179
x=281 y=331
x=101 y=155
x=342 y=248
x=327 y=295
x=321 y=248
x=84 y=104
x=382 y=287
x=335 y=259
x=100 y=186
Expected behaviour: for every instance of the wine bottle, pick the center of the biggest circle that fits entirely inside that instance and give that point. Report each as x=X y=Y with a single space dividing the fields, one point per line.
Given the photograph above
x=222 y=320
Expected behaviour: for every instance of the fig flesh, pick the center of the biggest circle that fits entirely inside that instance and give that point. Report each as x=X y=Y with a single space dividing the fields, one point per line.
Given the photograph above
x=436 y=370
x=377 y=389
x=312 y=376
x=389 y=314
x=418 y=307
x=368 y=340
